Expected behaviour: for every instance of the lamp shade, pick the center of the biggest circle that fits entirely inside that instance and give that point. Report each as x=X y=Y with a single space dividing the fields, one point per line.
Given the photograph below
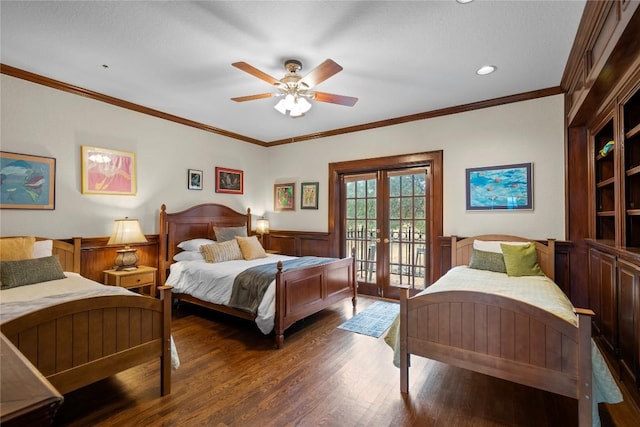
x=126 y=231
x=262 y=226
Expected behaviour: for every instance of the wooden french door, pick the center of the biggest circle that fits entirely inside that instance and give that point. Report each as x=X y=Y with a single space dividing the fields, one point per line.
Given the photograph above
x=386 y=218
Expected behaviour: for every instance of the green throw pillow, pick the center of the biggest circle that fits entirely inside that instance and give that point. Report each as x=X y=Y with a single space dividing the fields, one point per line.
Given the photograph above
x=492 y=261
x=29 y=271
x=521 y=260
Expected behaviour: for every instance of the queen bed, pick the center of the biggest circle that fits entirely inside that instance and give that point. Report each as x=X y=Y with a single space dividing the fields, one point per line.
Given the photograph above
x=76 y=331
x=301 y=287
x=514 y=325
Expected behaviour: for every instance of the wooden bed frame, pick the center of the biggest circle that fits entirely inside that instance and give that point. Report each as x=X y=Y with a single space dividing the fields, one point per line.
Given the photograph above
x=299 y=293
x=498 y=336
x=79 y=342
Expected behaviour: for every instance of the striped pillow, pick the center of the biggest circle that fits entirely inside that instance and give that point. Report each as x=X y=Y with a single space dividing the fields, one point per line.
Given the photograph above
x=220 y=252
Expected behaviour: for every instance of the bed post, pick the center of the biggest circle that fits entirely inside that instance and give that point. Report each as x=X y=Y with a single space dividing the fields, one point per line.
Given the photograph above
x=162 y=249
x=585 y=393
x=353 y=278
x=454 y=251
x=404 y=354
x=280 y=308
x=165 y=359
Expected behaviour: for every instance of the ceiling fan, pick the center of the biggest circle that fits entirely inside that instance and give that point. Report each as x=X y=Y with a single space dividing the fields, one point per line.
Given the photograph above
x=294 y=90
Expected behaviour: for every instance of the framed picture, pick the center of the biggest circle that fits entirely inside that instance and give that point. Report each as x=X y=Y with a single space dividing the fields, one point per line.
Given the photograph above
x=106 y=171
x=309 y=195
x=508 y=187
x=284 y=196
x=229 y=181
x=28 y=182
x=194 y=179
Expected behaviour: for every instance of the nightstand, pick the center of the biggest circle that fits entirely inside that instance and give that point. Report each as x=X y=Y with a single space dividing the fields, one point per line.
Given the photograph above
x=140 y=278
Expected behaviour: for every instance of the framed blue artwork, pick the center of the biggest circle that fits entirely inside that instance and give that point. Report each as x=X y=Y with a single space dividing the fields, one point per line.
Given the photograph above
x=508 y=187
x=27 y=182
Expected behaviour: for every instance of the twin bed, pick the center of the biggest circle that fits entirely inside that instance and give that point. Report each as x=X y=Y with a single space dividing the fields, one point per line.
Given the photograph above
x=294 y=294
x=488 y=322
x=76 y=331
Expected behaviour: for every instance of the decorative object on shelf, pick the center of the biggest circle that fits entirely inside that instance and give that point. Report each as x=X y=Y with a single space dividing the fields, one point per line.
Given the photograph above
x=294 y=90
x=508 y=187
x=106 y=171
x=284 y=197
x=607 y=147
x=194 y=179
x=28 y=182
x=309 y=195
x=126 y=231
x=262 y=227
x=229 y=181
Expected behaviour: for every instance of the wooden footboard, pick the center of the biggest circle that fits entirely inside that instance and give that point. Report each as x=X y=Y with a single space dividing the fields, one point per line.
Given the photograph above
x=79 y=342
x=302 y=292
x=500 y=337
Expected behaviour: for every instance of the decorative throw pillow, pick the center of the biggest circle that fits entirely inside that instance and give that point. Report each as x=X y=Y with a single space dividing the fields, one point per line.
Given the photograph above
x=521 y=260
x=251 y=248
x=224 y=234
x=42 y=248
x=188 y=256
x=492 y=261
x=219 y=252
x=16 y=248
x=194 y=244
x=29 y=271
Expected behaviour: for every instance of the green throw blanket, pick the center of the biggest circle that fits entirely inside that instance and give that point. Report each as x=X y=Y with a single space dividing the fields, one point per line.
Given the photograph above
x=250 y=286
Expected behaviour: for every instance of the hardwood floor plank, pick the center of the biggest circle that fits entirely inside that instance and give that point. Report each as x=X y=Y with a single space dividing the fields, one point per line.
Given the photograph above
x=231 y=375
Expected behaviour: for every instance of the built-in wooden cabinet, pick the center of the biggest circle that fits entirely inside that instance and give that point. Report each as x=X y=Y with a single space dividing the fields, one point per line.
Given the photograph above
x=628 y=281
x=631 y=167
x=602 y=298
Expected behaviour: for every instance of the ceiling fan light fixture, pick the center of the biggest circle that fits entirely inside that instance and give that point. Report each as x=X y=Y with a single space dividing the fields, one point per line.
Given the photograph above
x=486 y=69
x=280 y=107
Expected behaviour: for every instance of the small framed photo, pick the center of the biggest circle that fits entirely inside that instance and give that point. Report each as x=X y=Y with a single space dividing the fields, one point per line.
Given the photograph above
x=194 y=179
x=106 y=171
x=508 y=187
x=284 y=197
x=309 y=195
x=229 y=181
x=28 y=182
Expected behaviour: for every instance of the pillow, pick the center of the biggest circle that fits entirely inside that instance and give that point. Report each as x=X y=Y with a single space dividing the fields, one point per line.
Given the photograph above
x=29 y=271
x=194 y=244
x=492 y=261
x=219 y=252
x=16 y=248
x=188 y=256
x=224 y=234
x=521 y=260
x=251 y=248
x=42 y=248
x=493 y=245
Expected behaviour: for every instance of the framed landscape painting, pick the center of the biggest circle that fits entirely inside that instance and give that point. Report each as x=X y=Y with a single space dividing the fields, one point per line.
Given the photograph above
x=508 y=187
x=106 y=171
x=284 y=196
x=229 y=181
x=28 y=182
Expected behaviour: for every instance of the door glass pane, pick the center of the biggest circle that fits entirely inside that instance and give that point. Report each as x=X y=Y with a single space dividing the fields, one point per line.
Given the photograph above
x=407 y=228
x=361 y=223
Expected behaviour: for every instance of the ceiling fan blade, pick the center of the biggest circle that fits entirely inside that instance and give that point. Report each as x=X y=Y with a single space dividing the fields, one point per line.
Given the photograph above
x=349 y=101
x=252 y=97
x=256 y=73
x=321 y=73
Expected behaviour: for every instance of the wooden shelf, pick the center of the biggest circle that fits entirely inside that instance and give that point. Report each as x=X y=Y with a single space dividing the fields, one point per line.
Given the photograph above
x=606 y=213
x=633 y=131
x=633 y=171
x=605 y=182
x=633 y=212
x=600 y=157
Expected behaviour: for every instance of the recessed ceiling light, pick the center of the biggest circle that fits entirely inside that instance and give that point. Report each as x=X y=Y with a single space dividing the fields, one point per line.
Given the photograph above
x=487 y=69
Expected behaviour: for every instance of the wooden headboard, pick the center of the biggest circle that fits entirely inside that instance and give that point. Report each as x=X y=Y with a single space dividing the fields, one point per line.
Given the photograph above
x=461 y=250
x=194 y=222
x=68 y=253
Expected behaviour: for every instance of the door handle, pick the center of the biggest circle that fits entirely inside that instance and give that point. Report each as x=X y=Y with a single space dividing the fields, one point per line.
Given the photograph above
x=378 y=240
x=386 y=240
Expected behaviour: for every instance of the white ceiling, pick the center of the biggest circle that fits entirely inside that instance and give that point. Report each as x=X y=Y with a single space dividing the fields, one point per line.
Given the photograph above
x=399 y=57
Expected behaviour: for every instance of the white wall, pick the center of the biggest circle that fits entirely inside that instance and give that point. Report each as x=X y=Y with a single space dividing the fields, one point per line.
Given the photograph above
x=42 y=121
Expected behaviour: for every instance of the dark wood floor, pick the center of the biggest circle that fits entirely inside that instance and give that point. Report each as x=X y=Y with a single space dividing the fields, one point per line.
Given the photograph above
x=231 y=375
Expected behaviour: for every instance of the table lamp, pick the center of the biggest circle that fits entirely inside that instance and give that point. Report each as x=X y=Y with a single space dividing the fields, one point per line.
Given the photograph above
x=125 y=232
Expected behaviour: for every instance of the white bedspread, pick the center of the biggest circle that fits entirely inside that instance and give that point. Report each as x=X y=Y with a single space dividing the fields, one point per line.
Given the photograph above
x=535 y=290
x=15 y=302
x=213 y=282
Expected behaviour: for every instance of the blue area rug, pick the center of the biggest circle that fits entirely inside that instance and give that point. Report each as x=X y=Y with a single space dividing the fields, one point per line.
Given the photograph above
x=373 y=320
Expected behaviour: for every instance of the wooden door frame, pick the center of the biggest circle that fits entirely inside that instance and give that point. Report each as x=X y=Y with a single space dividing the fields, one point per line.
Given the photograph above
x=434 y=158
